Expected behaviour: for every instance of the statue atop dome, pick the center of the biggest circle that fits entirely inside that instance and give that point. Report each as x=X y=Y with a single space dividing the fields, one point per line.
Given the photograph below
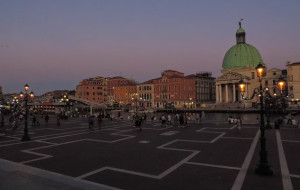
x=240 y=23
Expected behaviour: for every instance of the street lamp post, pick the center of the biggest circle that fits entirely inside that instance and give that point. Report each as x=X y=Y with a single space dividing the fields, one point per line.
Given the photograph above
x=64 y=100
x=26 y=96
x=263 y=166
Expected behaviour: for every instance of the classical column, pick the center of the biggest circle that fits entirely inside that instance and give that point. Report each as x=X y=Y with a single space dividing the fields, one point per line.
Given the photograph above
x=226 y=93
x=220 y=91
x=217 y=94
x=234 y=95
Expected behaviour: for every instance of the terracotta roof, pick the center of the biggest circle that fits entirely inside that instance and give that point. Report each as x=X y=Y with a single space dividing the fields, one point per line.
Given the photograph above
x=293 y=64
x=147 y=82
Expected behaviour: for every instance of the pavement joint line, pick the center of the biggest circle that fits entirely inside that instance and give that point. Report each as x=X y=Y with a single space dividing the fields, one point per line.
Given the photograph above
x=10 y=166
x=117 y=170
x=286 y=179
x=213 y=165
x=217 y=138
x=290 y=141
x=174 y=167
x=241 y=138
x=160 y=176
x=199 y=130
x=46 y=142
x=243 y=171
x=295 y=176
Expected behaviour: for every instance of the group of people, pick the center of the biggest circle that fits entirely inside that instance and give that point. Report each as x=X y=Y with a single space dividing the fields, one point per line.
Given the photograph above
x=14 y=120
x=91 y=121
x=180 y=120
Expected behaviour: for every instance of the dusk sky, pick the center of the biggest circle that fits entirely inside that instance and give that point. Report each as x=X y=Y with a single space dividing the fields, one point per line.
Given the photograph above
x=54 y=44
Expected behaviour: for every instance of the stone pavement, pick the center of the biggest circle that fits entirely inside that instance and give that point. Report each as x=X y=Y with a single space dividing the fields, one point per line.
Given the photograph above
x=210 y=155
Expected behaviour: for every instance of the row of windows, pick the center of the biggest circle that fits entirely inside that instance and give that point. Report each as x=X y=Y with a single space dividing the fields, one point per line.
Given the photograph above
x=99 y=88
x=141 y=88
x=175 y=87
x=169 y=96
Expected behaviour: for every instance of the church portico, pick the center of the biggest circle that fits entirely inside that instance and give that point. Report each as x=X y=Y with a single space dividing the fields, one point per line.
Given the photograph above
x=227 y=87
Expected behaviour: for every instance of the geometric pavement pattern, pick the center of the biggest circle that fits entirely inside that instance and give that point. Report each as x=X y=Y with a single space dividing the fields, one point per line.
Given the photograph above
x=206 y=155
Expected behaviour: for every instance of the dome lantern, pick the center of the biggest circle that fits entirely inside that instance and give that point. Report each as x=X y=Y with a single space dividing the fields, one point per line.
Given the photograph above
x=240 y=34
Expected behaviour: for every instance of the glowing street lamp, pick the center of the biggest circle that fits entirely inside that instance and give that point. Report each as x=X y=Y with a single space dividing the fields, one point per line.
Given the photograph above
x=26 y=96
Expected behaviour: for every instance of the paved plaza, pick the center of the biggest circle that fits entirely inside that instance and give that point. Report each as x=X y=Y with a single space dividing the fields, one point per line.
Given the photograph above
x=210 y=155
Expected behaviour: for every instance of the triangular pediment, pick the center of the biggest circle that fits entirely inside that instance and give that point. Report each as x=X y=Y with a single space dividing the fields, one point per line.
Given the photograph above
x=232 y=76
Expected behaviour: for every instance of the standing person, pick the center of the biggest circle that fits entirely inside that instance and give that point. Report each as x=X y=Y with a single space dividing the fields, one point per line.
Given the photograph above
x=90 y=122
x=198 y=118
x=186 y=118
x=99 y=121
x=57 y=121
x=169 y=119
x=46 y=119
x=138 y=122
x=163 y=121
x=239 y=123
x=181 y=120
x=119 y=115
x=34 y=121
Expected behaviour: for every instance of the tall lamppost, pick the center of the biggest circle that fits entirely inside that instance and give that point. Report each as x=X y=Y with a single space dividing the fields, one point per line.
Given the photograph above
x=15 y=102
x=64 y=99
x=263 y=166
x=26 y=96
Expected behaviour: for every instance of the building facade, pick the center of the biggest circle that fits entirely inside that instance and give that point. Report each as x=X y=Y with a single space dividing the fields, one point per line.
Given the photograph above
x=293 y=80
x=174 y=90
x=205 y=88
x=145 y=93
x=123 y=95
x=92 y=89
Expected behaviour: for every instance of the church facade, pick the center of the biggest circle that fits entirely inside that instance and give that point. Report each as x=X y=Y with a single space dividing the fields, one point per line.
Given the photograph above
x=238 y=64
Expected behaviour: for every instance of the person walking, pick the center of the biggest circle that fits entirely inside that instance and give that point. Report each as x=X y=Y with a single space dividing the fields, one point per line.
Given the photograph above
x=169 y=119
x=99 y=121
x=90 y=122
x=198 y=118
x=57 y=121
x=163 y=121
x=181 y=120
x=46 y=119
x=239 y=124
x=34 y=121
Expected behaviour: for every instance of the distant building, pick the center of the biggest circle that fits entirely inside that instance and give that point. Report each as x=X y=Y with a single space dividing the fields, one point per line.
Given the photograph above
x=145 y=92
x=270 y=79
x=1 y=96
x=293 y=80
x=123 y=95
x=174 y=90
x=92 y=89
x=205 y=88
x=100 y=89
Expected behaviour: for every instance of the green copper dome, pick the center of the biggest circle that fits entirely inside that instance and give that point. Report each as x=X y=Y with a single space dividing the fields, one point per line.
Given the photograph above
x=241 y=55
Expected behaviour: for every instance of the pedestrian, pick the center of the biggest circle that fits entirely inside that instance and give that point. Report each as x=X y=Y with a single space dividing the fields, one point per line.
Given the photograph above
x=99 y=121
x=169 y=119
x=46 y=119
x=186 y=118
x=198 y=118
x=181 y=121
x=239 y=124
x=34 y=121
x=119 y=115
x=138 y=122
x=257 y=120
x=57 y=121
x=163 y=121
x=90 y=121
